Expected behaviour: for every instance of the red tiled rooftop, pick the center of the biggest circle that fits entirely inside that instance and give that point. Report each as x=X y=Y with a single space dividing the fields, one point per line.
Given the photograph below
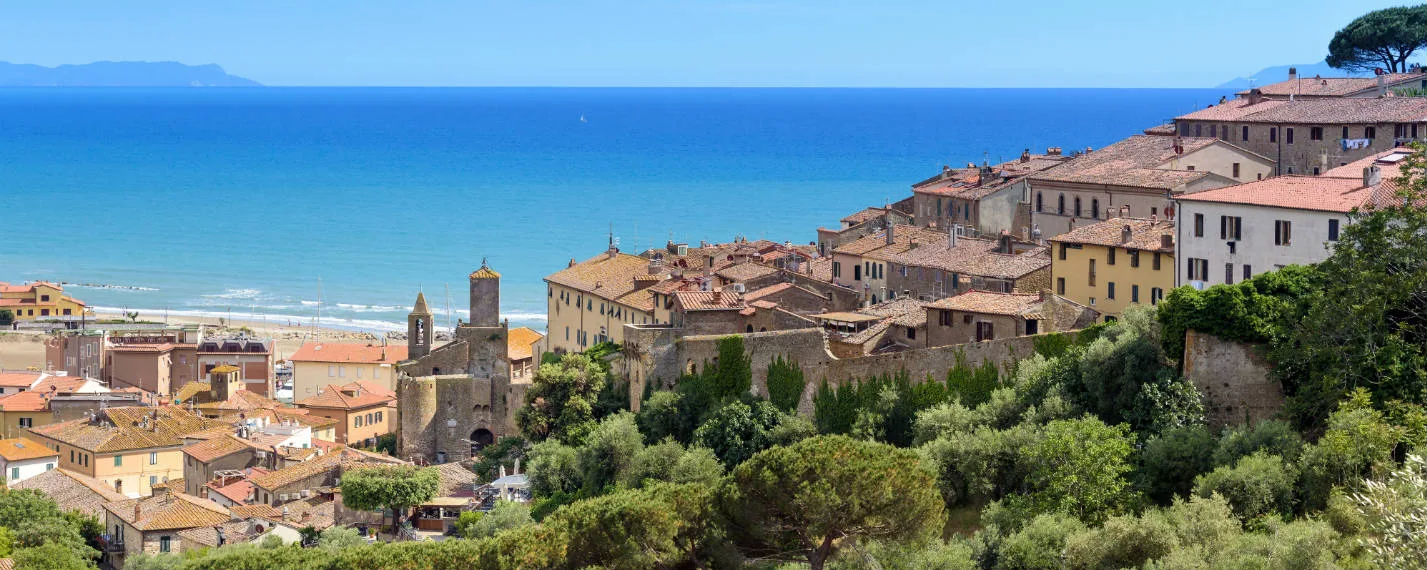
x=349 y=352
x=1318 y=193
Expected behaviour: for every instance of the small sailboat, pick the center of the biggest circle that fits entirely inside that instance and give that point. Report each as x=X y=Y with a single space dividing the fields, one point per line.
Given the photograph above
x=582 y=118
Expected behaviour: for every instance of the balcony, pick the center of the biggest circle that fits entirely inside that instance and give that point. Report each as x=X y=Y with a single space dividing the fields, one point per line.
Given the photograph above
x=111 y=543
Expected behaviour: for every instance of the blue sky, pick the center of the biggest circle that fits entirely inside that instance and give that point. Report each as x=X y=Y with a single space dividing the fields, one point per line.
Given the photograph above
x=949 y=43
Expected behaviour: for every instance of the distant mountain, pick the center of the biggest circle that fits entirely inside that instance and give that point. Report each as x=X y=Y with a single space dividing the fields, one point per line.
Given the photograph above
x=1280 y=73
x=120 y=74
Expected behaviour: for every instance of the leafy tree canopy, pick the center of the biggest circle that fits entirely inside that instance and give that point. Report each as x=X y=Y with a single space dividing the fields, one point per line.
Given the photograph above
x=561 y=400
x=1380 y=39
x=396 y=487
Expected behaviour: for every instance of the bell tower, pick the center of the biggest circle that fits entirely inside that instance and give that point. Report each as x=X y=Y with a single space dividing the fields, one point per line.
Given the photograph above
x=485 y=297
x=418 y=329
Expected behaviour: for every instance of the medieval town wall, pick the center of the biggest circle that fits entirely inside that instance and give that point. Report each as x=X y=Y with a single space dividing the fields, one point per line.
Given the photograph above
x=1233 y=378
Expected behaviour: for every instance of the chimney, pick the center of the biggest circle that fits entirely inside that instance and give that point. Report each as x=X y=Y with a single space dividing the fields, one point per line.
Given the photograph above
x=1026 y=156
x=137 y=511
x=951 y=236
x=1292 y=73
x=891 y=238
x=945 y=171
x=1382 y=85
x=986 y=176
x=1372 y=176
x=1126 y=234
x=1005 y=245
x=1053 y=151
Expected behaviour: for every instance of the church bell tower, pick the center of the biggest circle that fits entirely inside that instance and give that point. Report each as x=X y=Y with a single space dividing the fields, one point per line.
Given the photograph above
x=418 y=329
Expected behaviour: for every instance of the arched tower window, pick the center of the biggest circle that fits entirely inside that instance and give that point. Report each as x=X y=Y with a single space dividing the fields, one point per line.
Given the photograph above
x=1060 y=206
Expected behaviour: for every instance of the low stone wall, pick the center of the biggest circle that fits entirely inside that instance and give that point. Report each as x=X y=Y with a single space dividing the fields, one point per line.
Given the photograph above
x=1233 y=378
x=809 y=349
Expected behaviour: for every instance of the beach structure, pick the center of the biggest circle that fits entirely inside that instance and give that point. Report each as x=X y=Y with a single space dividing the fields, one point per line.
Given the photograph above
x=1115 y=264
x=40 y=300
x=1138 y=176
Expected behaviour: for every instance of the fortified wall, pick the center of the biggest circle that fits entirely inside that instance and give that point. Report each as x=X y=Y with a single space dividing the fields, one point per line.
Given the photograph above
x=668 y=356
x=1233 y=378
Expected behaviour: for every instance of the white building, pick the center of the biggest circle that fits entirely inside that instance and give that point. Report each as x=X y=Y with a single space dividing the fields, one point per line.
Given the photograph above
x=22 y=458
x=1230 y=234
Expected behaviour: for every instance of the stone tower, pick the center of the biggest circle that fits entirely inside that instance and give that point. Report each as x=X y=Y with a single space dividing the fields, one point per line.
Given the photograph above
x=485 y=297
x=418 y=329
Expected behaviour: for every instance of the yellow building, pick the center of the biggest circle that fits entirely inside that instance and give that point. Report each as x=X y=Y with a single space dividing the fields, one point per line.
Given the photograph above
x=38 y=300
x=590 y=302
x=317 y=364
x=1114 y=264
x=129 y=449
x=22 y=411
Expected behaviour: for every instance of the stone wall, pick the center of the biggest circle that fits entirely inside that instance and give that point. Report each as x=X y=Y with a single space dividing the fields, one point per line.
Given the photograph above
x=809 y=349
x=1233 y=378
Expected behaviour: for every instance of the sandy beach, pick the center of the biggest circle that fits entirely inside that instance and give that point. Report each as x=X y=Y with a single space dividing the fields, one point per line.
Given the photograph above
x=20 y=350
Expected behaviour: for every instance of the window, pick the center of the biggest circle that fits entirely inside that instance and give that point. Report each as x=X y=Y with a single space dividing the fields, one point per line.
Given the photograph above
x=1332 y=230
x=331 y=371
x=1315 y=133
x=1110 y=290
x=369 y=419
x=1040 y=202
x=71 y=456
x=379 y=417
x=1229 y=273
x=1134 y=258
x=1077 y=206
x=1345 y=132
x=1110 y=257
x=1248 y=271
x=857 y=273
x=1063 y=248
x=1156 y=294
x=14 y=474
x=1245 y=136
x=1092 y=273
x=1156 y=261
x=1231 y=227
x=1414 y=130
x=837 y=269
x=1198 y=130
x=357 y=421
x=1190 y=168
x=1282 y=232
x=1273 y=134
x=1369 y=132
x=118 y=460
x=165 y=544
x=1288 y=135
x=1236 y=170
x=1134 y=293
x=44 y=312
x=153 y=481
x=985 y=331
x=912 y=333
x=153 y=458
x=1095 y=208
x=1315 y=171
x=1198 y=225
x=1060 y=207
x=1198 y=269
x=27 y=422
x=944 y=318
x=1213 y=131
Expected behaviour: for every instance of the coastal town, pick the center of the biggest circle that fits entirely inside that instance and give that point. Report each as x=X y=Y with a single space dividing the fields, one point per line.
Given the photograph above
x=895 y=326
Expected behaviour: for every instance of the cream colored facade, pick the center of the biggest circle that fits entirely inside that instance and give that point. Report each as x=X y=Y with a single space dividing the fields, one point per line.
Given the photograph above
x=310 y=377
x=1083 y=273
x=579 y=320
x=132 y=472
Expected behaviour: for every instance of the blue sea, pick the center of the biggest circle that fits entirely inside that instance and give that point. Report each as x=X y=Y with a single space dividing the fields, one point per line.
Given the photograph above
x=275 y=203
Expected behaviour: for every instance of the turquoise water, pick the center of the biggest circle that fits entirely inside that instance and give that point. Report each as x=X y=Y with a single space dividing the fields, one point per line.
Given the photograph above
x=239 y=201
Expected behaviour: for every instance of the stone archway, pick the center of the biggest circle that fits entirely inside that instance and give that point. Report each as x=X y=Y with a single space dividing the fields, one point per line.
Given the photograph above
x=481 y=438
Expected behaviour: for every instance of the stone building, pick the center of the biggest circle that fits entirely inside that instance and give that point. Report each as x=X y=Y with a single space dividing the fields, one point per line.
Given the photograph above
x=1138 y=176
x=1310 y=136
x=864 y=223
x=1296 y=87
x=986 y=199
x=979 y=316
x=454 y=399
x=952 y=264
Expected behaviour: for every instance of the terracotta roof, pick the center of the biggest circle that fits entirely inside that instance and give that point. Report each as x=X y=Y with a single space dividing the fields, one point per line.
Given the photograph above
x=20 y=379
x=22 y=448
x=1232 y=110
x=757 y=294
x=518 y=344
x=745 y=271
x=484 y=273
x=992 y=303
x=1332 y=86
x=72 y=491
x=242 y=400
x=1137 y=161
x=347 y=397
x=300 y=416
x=169 y=511
x=151 y=348
x=864 y=215
x=126 y=433
x=822 y=269
x=902 y=236
x=260 y=510
x=61 y=384
x=217 y=447
x=292 y=474
x=1145 y=235
x=28 y=401
x=1389 y=162
x=1161 y=130
x=603 y=276
x=234 y=532
x=191 y=390
x=1318 y=193
x=454 y=478
x=974 y=256
x=1332 y=111
x=236 y=490
x=349 y=352
x=709 y=300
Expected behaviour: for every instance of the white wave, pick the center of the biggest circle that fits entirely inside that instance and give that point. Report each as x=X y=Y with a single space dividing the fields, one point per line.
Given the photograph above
x=372 y=308
x=310 y=303
x=236 y=294
x=109 y=286
x=524 y=316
